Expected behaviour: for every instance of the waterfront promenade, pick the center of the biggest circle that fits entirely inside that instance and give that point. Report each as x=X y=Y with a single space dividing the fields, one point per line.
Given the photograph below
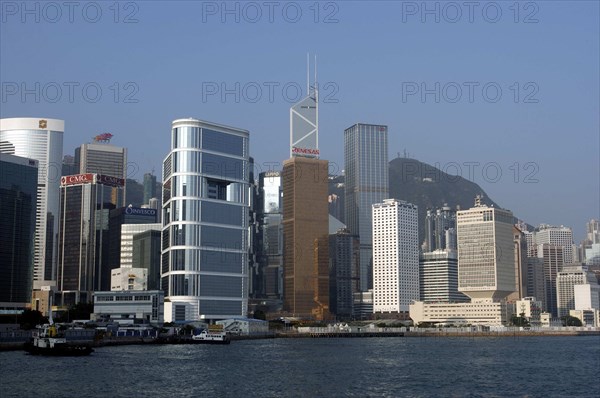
x=15 y=341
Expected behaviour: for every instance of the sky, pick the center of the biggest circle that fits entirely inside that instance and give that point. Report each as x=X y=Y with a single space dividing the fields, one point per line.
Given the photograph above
x=505 y=94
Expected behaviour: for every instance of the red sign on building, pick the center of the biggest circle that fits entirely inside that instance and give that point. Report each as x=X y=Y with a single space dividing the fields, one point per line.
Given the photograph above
x=110 y=181
x=77 y=179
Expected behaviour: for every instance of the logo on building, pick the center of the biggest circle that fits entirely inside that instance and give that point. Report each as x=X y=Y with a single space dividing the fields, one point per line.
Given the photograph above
x=110 y=181
x=43 y=123
x=138 y=211
x=305 y=151
x=77 y=179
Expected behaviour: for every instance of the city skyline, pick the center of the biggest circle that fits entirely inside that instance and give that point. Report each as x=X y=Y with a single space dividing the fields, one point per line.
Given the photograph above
x=553 y=60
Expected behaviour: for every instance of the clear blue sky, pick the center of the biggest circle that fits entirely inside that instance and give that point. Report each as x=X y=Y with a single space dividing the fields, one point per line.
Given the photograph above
x=370 y=53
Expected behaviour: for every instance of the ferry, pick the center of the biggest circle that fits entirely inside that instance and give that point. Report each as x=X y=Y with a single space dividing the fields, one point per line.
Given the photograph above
x=211 y=338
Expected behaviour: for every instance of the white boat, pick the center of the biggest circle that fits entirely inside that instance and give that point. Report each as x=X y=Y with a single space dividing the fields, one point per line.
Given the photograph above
x=211 y=337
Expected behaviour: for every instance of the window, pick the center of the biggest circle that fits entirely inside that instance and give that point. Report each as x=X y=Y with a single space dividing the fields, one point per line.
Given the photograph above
x=223 y=142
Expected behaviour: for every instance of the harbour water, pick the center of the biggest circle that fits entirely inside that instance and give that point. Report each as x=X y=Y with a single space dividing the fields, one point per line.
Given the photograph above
x=361 y=367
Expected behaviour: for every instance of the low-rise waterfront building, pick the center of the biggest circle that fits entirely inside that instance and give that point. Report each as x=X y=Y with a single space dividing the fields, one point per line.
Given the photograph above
x=129 y=306
x=244 y=326
x=474 y=313
x=587 y=317
x=530 y=308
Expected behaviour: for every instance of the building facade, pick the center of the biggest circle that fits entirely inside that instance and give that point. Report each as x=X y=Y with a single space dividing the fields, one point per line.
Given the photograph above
x=486 y=253
x=438 y=277
x=205 y=222
x=395 y=256
x=41 y=140
x=128 y=278
x=305 y=233
x=344 y=273
x=104 y=159
x=474 y=313
x=117 y=218
x=270 y=235
x=440 y=229
x=566 y=280
x=83 y=265
x=520 y=243
x=552 y=258
x=146 y=254
x=128 y=232
x=530 y=308
x=557 y=236
x=366 y=183
x=18 y=203
x=149 y=187
x=130 y=306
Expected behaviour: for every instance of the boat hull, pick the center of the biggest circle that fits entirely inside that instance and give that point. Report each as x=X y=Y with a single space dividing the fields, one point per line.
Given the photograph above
x=67 y=350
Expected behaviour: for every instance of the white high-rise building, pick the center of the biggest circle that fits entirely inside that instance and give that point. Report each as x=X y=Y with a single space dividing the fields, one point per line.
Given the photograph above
x=557 y=236
x=593 y=231
x=205 y=222
x=566 y=280
x=42 y=140
x=486 y=253
x=395 y=256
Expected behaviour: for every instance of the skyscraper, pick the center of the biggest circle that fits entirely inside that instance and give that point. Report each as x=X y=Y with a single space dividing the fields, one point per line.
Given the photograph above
x=557 y=236
x=486 y=258
x=205 y=222
x=344 y=257
x=128 y=232
x=552 y=257
x=83 y=265
x=395 y=256
x=149 y=187
x=102 y=158
x=270 y=230
x=118 y=218
x=366 y=183
x=306 y=234
x=520 y=242
x=42 y=140
x=440 y=224
x=146 y=254
x=305 y=215
x=18 y=199
x=438 y=277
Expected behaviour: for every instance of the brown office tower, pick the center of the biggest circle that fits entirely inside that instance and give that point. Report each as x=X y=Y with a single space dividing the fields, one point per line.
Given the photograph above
x=305 y=235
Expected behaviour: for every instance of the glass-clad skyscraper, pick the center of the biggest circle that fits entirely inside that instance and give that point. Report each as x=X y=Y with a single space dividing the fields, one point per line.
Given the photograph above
x=18 y=197
x=42 y=140
x=205 y=222
x=366 y=170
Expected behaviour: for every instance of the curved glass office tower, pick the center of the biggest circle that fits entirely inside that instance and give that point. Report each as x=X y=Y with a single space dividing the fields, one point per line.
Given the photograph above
x=42 y=140
x=205 y=222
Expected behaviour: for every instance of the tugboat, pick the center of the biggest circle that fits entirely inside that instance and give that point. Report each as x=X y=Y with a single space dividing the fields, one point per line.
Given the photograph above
x=206 y=337
x=47 y=340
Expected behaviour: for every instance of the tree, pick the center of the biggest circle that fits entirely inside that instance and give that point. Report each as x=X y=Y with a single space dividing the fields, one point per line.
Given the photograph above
x=519 y=320
x=568 y=320
x=77 y=311
x=31 y=318
x=260 y=314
